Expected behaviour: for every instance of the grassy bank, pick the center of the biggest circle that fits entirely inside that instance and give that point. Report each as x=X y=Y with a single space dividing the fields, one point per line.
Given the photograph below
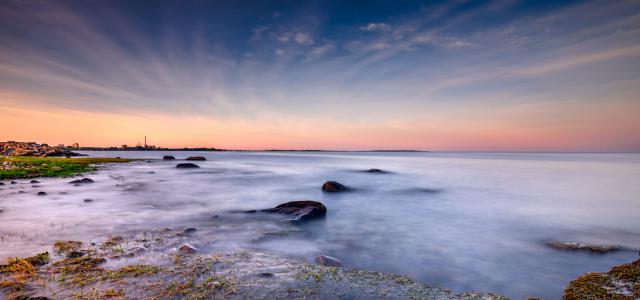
x=30 y=167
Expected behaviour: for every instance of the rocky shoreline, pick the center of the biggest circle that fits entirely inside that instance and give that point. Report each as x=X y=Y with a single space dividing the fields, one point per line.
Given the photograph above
x=11 y=148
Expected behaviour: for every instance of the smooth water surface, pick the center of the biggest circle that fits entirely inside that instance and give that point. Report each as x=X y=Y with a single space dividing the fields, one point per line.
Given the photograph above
x=466 y=221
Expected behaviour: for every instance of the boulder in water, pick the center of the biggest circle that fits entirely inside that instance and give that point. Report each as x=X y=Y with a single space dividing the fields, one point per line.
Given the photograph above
x=187 y=249
x=168 y=157
x=42 y=193
x=598 y=249
x=333 y=187
x=35 y=181
x=329 y=261
x=188 y=231
x=199 y=158
x=187 y=166
x=82 y=181
x=300 y=210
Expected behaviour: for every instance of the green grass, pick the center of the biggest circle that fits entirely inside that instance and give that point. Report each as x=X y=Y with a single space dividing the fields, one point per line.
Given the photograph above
x=30 y=167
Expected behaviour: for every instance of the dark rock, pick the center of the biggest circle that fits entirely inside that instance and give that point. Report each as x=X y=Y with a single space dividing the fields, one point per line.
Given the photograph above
x=24 y=297
x=187 y=166
x=75 y=254
x=375 y=171
x=41 y=193
x=189 y=231
x=187 y=249
x=13 y=182
x=266 y=274
x=1 y=210
x=82 y=181
x=326 y=260
x=300 y=210
x=333 y=187
x=87 y=200
x=168 y=157
x=35 y=181
x=35 y=186
x=1 y=183
x=599 y=249
x=196 y=158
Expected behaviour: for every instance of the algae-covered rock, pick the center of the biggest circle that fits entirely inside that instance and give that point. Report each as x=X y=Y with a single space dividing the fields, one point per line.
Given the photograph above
x=621 y=282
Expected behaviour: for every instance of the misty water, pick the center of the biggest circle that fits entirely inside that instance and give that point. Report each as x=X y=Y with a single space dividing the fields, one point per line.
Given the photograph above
x=465 y=221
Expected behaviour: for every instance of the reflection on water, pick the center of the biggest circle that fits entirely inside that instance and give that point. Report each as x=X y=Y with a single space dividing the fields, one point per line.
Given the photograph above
x=467 y=221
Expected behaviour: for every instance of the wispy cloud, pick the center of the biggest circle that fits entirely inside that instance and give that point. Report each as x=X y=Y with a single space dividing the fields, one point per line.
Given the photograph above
x=376 y=27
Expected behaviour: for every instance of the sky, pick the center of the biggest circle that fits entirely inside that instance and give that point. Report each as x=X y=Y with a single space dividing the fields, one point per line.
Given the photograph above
x=502 y=75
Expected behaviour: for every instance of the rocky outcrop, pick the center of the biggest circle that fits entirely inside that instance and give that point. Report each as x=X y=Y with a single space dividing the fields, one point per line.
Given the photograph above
x=333 y=187
x=198 y=158
x=598 y=249
x=82 y=181
x=187 y=166
x=187 y=249
x=168 y=157
x=621 y=282
x=299 y=210
x=12 y=148
x=329 y=261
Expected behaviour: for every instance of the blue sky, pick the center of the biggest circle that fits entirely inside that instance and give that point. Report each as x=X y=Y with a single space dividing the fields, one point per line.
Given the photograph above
x=458 y=75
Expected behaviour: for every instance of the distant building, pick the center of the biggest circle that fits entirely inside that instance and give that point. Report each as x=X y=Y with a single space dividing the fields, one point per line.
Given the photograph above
x=124 y=146
x=76 y=146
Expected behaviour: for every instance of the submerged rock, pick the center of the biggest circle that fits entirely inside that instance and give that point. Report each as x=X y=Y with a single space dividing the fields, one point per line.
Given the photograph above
x=75 y=254
x=333 y=187
x=187 y=166
x=13 y=182
x=599 y=249
x=87 y=200
x=188 y=231
x=1 y=210
x=187 y=249
x=1 y=183
x=199 y=158
x=168 y=157
x=41 y=193
x=329 y=261
x=138 y=250
x=300 y=210
x=375 y=171
x=82 y=181
x=35 y=181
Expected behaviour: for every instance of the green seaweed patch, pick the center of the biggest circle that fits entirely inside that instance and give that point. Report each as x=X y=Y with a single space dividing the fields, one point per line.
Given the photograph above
x=621 y=282
x=78 y=264
x=139 y=270
x=30 y=167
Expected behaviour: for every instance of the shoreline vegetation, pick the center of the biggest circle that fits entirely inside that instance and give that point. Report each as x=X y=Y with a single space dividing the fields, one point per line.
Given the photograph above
x=17 y=167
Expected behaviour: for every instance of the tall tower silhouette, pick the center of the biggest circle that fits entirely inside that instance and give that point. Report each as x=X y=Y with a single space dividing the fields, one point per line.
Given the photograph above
x=145 y=141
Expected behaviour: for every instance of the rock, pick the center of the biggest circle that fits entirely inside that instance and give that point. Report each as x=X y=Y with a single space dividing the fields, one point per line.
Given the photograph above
x=599 y=249
x=1 y=210
x=214 y=284
x=199 y=158
x=333 y=187
x=87 y=200
x=13 y=182
x=266 y=274
x=168 y=157
x=329 y=261
x=187 y=249
x=41 y=193
x=35 y=181
x=375 y=171
x=621 y=282
x=1 y=183
x=82 y=181
x=187 y=166
x=24 y=297
x=75 y=254
x=300 y=210
x=188 y=231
